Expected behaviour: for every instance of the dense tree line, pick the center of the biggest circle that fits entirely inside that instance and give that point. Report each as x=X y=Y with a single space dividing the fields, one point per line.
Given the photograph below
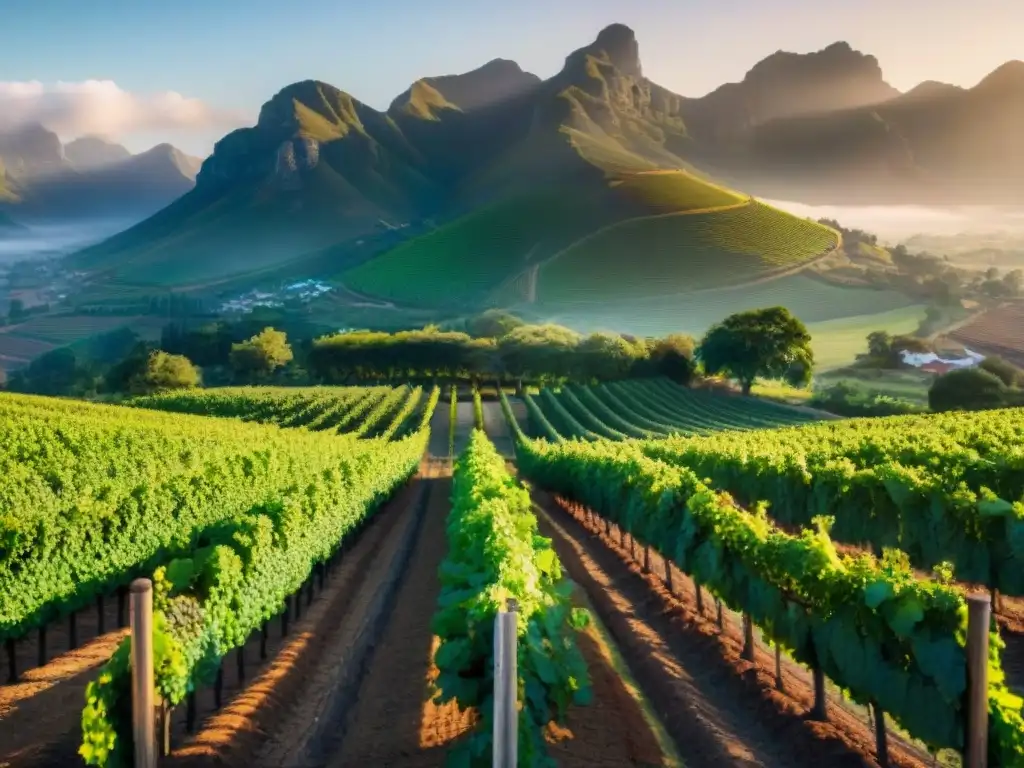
x=543 y=354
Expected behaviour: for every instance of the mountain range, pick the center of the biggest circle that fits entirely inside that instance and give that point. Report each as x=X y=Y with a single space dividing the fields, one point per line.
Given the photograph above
x=45 y=181
x=320 y=169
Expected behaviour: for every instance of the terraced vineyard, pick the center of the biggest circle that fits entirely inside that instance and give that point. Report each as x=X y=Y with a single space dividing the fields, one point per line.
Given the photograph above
x=676 y=226
x=996 y=332
x=648 y=408
x=677 y=253
x=362 y=411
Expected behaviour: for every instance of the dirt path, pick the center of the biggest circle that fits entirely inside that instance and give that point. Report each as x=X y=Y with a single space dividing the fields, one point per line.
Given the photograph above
x=724 y=711
x=497 y=428
x=40 y=715
x=271 y=715
x=440 y=424
x=395 y=723
x=464 y=421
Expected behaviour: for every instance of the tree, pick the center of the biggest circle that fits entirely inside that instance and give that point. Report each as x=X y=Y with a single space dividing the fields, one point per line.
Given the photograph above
x=58 y=372
x=17 y=311
x=261 y=355
x=1009 y=374
x=123 y=375
x=492 y=324
x=672 y=356
x=165 y=372
x=967 y=389
x=769 y=343
x=604 y=357
x=880 y=344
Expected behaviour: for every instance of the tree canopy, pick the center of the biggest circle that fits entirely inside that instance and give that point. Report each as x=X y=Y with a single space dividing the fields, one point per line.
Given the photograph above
x=164 y=372
x=768 y=343
x=967 y=389
x=261 y=355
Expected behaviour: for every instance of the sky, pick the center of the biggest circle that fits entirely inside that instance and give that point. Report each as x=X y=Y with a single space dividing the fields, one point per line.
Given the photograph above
x=189 y=71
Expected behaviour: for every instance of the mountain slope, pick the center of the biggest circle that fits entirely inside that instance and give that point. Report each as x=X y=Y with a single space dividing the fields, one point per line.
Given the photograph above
x=517 y=170
x=94 y=152
x=41 y=180
x=935 y=144
x=132 y=188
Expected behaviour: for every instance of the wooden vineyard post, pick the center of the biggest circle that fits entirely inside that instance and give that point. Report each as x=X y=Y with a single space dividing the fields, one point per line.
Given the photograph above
x=748 y=637
x=779 y=683
x=101 y=619
x=820 y=710
x=263 y=641
x=881 y=737
x=72 y=630
x=505 y=732
x=240 y=662
x=979 y=615
x=42 y=647
x=218 y=686
x=12 y=660
x=668 y=576
x=700 y=598
x=121 y=598
x=647 y=558
x=166 y=711
x=143 y=714
x=721 y=615
x=190 y=711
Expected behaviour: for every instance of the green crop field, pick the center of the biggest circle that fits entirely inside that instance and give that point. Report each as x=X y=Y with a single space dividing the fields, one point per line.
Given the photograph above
x=676 y=253
x=464 y=259
x=671 y=191
x=471 y=256
x=647 y=408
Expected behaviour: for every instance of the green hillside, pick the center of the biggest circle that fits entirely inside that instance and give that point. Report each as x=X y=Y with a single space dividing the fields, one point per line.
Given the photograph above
x=675 y=253
x=478 y=253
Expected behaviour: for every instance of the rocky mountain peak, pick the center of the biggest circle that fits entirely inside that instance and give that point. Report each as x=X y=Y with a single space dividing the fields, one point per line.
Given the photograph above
x=94 y=152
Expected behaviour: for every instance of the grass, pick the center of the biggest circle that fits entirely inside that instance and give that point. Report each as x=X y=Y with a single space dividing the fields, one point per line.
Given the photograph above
x=670 y=191
x=682 y=252
x=903 y=383
x=488 y=249
x=813 y=301
x=781 y=392
x=838 y=342
x=465 y=259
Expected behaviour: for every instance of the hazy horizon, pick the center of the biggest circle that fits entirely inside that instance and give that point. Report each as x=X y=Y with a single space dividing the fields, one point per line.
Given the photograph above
x=895 y=223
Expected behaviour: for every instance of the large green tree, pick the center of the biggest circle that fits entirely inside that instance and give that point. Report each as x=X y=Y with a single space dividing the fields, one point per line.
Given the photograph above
x=164 y=372
x=261 y=355
x=768 y=343
x=967 y=389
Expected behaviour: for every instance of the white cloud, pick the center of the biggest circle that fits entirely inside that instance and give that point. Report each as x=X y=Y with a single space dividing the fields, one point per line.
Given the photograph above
x=102 y=107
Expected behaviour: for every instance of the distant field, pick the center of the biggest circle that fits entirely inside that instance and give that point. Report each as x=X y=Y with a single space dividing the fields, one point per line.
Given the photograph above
x=996 y=332
x=813 y=301
x=675 y=253
x=838 y=342
x=66 y=329
x=905 y=384
x=15 y=351
x=467 y=258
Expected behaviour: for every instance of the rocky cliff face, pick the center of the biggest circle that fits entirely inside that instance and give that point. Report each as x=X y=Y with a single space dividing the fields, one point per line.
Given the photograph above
x=94 y=152
x=31 y=150
x=788 y=85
